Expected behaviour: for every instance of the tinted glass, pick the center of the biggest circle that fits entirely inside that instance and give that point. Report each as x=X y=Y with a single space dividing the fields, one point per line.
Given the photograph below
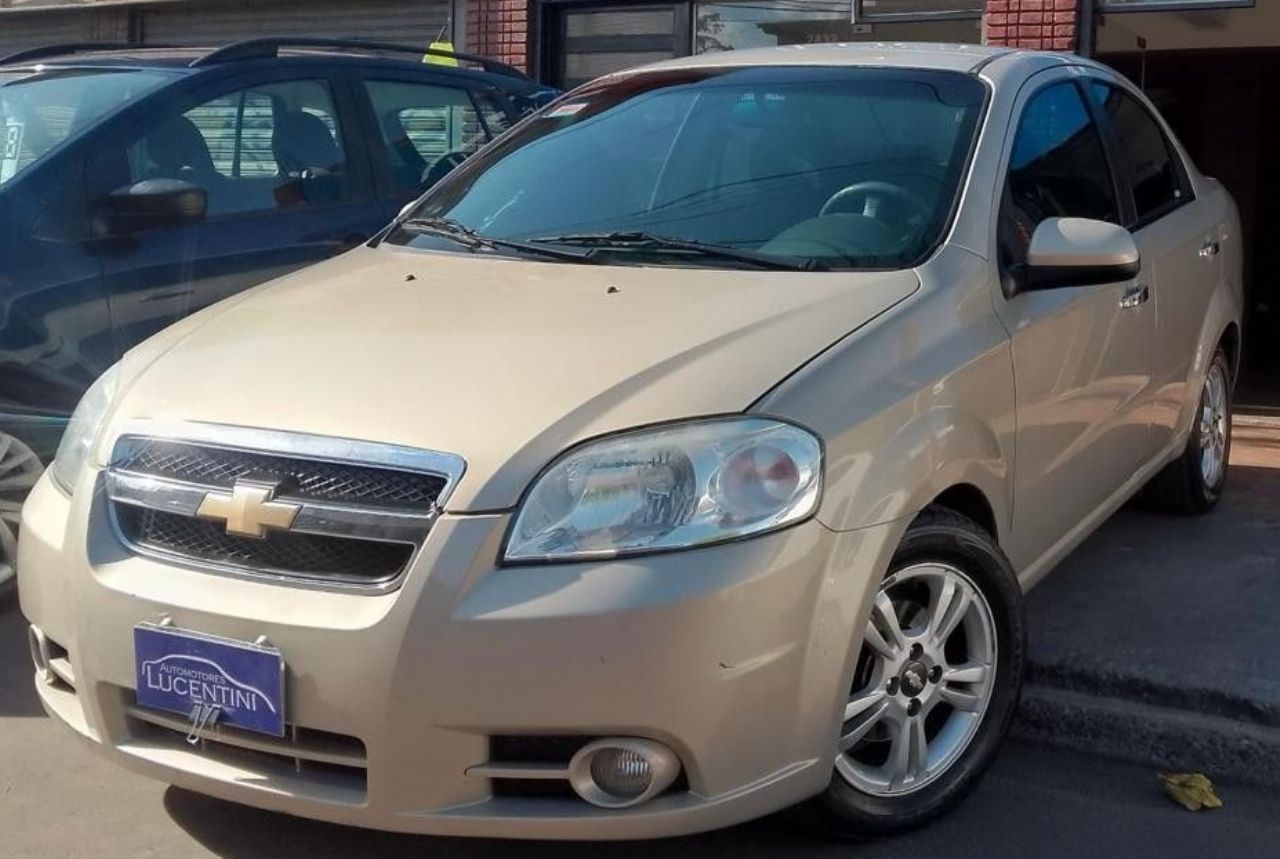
x=274 y=146
x=1058 y=169
x=426 y=130
x=1145 y=151
x=852 y=167
x=39 y=110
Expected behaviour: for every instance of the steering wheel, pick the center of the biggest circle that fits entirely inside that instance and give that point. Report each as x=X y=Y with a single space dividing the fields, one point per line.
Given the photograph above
x=442 y=166
x=870 y=194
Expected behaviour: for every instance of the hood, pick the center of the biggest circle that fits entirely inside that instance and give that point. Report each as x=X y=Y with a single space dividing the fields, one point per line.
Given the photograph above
x=504 y=362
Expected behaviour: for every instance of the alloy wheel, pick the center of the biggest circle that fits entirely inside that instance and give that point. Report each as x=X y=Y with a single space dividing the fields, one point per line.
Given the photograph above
x=1213 y=426
x=923 y=683
x=20 y=468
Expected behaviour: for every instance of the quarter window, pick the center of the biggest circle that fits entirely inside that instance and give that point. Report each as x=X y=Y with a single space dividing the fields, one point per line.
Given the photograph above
x=1145 y=152
x=1058 y=169
x=427 y=130
x=274 y=146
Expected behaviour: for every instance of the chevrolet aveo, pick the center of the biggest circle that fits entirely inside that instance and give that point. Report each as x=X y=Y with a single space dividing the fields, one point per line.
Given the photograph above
x=683 y=457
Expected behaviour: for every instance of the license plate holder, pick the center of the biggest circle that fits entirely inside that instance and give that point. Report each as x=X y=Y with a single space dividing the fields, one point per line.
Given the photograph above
x=180 y=671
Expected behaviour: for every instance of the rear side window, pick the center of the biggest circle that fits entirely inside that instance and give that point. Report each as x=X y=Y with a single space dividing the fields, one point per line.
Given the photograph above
x=426 y=130
x=1058 y=169
x=1146 y=153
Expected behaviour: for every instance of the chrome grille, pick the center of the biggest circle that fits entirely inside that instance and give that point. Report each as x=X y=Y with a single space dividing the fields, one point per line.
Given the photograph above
x=331 y=481
x=357 y=512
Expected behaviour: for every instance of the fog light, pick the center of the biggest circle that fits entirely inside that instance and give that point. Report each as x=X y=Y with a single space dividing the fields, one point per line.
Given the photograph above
x=39 y=653
x=622 y=772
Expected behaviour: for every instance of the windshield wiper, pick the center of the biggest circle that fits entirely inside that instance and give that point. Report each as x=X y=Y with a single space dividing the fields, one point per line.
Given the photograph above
x=469 y=238
x=638 y=239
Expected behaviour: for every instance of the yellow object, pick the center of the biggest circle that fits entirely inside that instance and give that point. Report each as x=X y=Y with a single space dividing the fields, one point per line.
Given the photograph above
x=438 y=60
x=1193 y=791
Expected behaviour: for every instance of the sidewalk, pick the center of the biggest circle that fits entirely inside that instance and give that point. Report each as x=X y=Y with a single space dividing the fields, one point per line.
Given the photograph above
x=1158 y=641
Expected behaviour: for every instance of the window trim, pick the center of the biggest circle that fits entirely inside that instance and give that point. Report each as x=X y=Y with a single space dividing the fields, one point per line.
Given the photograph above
x=1133 y=221
x=859 y=15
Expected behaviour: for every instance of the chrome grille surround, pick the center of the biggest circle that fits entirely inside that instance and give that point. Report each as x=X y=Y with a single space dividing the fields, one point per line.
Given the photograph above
x=362 y=506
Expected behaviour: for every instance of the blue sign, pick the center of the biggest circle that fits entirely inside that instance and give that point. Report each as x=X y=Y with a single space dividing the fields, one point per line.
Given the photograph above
x=213 y=681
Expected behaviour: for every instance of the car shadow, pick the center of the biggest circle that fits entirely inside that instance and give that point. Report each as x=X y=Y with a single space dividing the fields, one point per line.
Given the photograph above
x=241 y=832
x=17 y=692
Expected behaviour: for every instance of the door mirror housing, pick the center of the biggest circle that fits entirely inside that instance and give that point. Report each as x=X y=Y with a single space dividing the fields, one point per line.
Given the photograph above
x=152 y=204
x=1079 y=252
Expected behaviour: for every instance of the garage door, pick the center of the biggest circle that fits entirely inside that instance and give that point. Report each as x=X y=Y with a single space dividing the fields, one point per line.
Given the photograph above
x=415 y=22
x=20 y=30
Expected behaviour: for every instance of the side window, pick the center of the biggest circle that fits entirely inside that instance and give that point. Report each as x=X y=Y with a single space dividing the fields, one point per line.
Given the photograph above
x=1058 y=169
x=426 y=130
x=268 y=147
x=1146 y=152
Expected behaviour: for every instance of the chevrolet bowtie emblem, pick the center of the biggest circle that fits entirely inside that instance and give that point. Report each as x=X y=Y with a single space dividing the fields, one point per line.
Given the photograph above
x=248 y=509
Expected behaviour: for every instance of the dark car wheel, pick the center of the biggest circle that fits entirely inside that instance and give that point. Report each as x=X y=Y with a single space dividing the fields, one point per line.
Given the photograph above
x=20 y=468
x=936 y=685
x=1192 y=484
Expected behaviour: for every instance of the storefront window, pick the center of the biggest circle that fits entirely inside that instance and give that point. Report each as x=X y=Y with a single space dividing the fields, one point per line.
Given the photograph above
x=765 y=23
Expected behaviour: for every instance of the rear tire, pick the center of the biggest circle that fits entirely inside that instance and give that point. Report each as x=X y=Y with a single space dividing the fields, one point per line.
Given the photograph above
x=957 y=608
x=1193 y=483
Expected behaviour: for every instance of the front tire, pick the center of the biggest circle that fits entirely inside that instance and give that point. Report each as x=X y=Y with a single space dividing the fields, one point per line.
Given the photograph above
x=938 y=679
x=1193 y=483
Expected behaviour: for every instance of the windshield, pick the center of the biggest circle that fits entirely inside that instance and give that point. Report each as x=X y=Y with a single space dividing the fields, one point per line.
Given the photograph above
x=41 y=109
x=834 y=167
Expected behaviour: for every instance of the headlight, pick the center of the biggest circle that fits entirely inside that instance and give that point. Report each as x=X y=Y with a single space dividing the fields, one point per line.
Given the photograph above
x=669 y=488
x=82 y=432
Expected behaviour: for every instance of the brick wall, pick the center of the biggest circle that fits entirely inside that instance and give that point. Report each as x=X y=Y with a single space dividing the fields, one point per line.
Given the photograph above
x=500 y=29
x=1050 y=25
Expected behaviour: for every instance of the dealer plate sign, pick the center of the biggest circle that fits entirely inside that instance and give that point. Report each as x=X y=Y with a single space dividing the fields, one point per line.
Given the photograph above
x=211 y=680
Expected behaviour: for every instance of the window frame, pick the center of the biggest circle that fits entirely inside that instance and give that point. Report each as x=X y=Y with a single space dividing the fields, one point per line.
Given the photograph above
x=379 y=165
x=1120 y=191
x=179 y=101
x=1133 y=222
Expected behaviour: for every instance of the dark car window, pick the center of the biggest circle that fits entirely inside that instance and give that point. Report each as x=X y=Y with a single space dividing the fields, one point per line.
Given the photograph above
x=1058 y=169
x=41 y=109
x=267 y=147
x=1146 y=152
x=426 y=129
x=849 y=167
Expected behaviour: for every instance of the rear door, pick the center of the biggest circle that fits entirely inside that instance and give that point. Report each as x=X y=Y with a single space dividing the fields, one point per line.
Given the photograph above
x=281 y=159
x=1180 y=239
x=421 y=125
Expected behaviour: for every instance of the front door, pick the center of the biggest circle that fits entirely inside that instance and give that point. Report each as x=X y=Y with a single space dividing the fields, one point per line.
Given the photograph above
x=287 y=184
x=1082 y=355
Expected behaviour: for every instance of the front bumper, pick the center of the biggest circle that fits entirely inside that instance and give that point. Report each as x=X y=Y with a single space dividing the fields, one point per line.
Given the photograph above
x=735 y=656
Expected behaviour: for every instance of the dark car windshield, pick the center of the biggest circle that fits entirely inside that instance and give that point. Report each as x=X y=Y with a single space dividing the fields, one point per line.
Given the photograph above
x=40 y=109
x=842 y=167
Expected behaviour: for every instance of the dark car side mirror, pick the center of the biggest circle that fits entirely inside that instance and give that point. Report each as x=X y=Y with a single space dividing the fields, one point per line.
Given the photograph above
x=152 y=204
x=1079 y=252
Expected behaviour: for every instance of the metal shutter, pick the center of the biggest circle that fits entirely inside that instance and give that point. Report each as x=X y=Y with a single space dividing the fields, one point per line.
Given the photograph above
x=415 y=22
x=20 y=30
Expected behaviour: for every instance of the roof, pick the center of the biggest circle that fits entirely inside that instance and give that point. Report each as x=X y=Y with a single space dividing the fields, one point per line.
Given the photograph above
x=915 y=55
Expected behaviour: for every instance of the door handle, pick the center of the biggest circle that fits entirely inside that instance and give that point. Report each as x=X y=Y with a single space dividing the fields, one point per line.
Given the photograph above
x=1135 y=296
x=1210 y=249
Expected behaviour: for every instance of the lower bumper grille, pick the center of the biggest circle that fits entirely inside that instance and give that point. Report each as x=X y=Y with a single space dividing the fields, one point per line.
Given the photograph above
x=284 y=553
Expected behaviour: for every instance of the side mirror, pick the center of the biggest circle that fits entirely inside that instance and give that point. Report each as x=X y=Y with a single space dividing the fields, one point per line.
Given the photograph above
x=1079 y=252
x=152 y=204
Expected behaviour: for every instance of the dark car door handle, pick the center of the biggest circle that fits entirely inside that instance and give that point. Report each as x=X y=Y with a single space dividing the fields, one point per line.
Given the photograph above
x=1135 y=296
x=165 y=296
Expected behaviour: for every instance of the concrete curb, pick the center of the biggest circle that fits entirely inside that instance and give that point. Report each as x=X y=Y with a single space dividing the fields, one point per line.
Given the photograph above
x=1148 y=733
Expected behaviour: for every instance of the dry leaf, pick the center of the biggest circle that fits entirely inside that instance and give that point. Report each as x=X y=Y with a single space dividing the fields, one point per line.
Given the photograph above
x=1193 y=791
